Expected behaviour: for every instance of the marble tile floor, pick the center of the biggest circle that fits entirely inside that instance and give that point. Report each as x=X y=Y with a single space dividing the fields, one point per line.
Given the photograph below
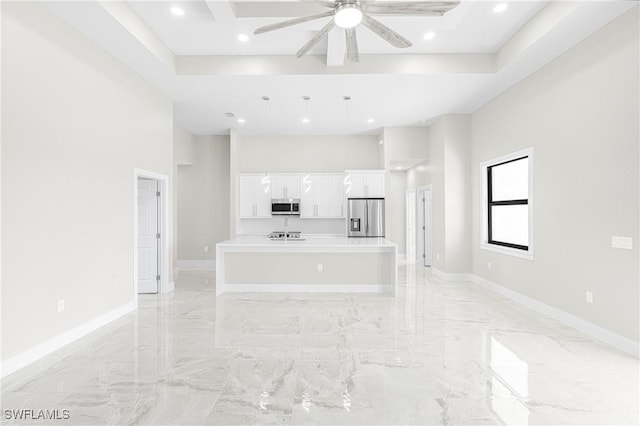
x=438 y=353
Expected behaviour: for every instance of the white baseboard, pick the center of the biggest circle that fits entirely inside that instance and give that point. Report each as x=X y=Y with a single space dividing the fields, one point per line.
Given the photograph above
x=446 y=276
x=43 y=349
x=169 y=287
x=306 y=288
x=620 y=342
x=196 y=264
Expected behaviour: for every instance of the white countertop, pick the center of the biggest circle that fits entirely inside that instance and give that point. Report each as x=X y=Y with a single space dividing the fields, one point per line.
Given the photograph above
x=309 y=241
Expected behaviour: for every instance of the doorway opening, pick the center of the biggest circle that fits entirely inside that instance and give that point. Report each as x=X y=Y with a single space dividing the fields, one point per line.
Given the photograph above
x=150 y=219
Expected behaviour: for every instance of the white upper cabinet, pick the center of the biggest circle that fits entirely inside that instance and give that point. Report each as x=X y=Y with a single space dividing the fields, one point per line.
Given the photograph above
x=337 y=196
x=365 y=184
x=322 y=196
x=254 y=196
x=285 y=185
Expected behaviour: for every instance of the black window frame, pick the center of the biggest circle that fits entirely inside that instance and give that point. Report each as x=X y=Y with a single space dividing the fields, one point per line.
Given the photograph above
x=491 y=203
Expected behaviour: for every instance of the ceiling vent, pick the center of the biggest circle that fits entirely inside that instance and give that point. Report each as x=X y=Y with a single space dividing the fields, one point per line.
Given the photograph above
x=229 y=114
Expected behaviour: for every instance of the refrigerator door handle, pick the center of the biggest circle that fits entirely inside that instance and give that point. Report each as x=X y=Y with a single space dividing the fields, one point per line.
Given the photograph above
x=366 y=219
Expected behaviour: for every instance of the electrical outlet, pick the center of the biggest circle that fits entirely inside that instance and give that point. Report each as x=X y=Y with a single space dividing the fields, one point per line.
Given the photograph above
x=437 y=256
x=622 y=243
x=60 y=305
x=488 y=265
x=589 y=297
x=320 y=267
x=206 y=249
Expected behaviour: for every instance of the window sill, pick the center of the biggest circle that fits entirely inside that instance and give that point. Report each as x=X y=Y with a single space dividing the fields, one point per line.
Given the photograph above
x=528 y=255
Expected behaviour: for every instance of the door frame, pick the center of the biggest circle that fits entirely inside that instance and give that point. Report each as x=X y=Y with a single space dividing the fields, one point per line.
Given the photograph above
x=165 y=284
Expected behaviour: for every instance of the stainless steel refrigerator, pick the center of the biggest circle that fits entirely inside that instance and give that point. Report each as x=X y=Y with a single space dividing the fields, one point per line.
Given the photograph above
x=365 y=217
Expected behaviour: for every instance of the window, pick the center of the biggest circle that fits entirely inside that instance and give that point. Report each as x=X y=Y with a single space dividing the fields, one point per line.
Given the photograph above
x=508 y=204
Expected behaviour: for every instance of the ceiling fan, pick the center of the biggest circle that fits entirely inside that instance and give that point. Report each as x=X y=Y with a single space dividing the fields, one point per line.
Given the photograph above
x=348 y=14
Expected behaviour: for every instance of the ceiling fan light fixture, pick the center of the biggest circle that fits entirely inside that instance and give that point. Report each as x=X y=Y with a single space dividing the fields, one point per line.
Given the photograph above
x=430 y=35
x=501 y=7
x=348 y=15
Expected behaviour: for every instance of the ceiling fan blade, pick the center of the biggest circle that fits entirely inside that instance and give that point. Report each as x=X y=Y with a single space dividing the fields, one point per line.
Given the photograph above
x=291 y=22
x=384 y=32
x=323 y=32
x=352 y=45
x=430 y=8
x=325 y=3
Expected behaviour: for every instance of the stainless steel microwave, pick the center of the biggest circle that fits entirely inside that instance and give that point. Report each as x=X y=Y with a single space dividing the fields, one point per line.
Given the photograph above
x=285 y=206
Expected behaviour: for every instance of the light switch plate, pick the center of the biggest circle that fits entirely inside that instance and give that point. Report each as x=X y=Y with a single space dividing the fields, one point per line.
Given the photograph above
x=622 y=242
x=589 y=297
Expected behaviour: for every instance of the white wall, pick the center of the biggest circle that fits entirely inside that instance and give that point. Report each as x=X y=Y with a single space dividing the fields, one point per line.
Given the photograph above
x=457 y=194
x=203 y=188
x=580 y=114
x=395 y=187
x=305 y=153
x=75 y=125
x=184 y=147
x=405 y=143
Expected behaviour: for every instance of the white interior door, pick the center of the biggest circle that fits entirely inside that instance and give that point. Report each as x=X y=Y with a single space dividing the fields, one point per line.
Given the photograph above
x=428 y=233
x=410 y=210
x=420 y=228
x=148 y=236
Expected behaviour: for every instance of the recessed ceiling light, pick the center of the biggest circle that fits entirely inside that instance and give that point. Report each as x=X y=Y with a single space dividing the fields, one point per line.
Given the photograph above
x=429 y=36
x=241 y=120
x=177 y=11
x=500 y=7
x=398 y=167
x=243 y=38
x=371 y=120
x=305 y=120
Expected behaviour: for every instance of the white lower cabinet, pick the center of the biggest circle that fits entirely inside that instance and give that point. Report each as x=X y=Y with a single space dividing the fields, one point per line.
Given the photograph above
x=322 y=196
x=255 y=196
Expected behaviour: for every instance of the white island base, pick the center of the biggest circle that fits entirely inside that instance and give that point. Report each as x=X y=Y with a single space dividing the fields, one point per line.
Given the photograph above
x=320 y=264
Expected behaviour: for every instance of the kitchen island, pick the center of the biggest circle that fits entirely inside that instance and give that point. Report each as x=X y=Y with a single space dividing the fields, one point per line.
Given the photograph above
x=315 y=264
